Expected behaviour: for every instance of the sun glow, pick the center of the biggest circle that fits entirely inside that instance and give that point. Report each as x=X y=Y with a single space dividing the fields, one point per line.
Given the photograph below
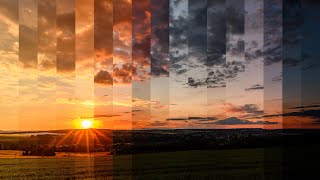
x=86 y=124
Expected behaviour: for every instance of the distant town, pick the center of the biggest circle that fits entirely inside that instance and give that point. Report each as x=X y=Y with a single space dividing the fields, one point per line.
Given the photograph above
x=146 y=141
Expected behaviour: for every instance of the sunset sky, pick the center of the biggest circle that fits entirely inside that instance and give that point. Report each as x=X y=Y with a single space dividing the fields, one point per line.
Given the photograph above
x=144 y=64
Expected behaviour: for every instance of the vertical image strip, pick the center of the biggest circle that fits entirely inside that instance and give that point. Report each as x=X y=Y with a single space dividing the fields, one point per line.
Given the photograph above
x=310 y=99
x=216 y=61
x=10 y=69
x=292 y=62
x=141 y=32
x=178 y=54
x=122 y=64
x=197 y=62
x=159 y=85
x=272 y=51
x=47 y=48
x=9 y=64
x=122 y=85
x=291 y=81
x=310 y=87
x=65 y=64
x=235 y=64
x=28 y=74
x=272 y=80
x=65 y=72
x=84 y=84
x=141 y=60
x=28 y=61
x=254 y=71
x=103 y=81
x=254 y=64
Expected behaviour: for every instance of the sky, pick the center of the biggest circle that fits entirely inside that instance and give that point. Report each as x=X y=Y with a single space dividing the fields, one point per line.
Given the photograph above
x=158 y=64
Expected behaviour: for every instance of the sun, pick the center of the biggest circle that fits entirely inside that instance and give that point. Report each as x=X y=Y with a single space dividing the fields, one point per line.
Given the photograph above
x=86 y=124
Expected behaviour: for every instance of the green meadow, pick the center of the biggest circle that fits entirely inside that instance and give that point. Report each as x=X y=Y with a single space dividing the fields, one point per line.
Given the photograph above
x=243 y=164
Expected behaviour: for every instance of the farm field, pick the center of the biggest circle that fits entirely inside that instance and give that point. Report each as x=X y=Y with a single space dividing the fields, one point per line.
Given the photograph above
x=216 y=164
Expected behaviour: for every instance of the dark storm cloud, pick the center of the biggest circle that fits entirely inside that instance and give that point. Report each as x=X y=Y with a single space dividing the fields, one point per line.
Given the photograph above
x=197 y=34
x=255 y=87
x=235 y=16
x=160 y=38
x=272 y=32
x=178 y=37
x=292 y=22
x=197 y=43
x=216 y=44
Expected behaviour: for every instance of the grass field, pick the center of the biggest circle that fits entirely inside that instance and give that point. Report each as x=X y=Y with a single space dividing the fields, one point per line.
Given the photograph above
x=243 y=164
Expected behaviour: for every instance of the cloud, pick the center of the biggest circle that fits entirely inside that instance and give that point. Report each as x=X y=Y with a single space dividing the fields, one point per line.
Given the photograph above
x=196 y=82
x=65 y=37
x=306 y=107
x=235 y=48
x=277 y=78
x=28 y=46
x=103 y=41
x=101 y=116
x=236 y=121
x=122 y=10
x=160 y=38
x=291 y=62
x=272 y=49
x=292 y=23
x=233 y=68
x=9 y=16
x=141 y=19
x=123 y=73
x=249 y=108
x=193 y=118
x=235 y=17
x=255 y=87
x=311 y=113
x=103 y=77
x=159 y=123
x=136 y=102
x=216 y=33
x=178 y=37
x=246 y=111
